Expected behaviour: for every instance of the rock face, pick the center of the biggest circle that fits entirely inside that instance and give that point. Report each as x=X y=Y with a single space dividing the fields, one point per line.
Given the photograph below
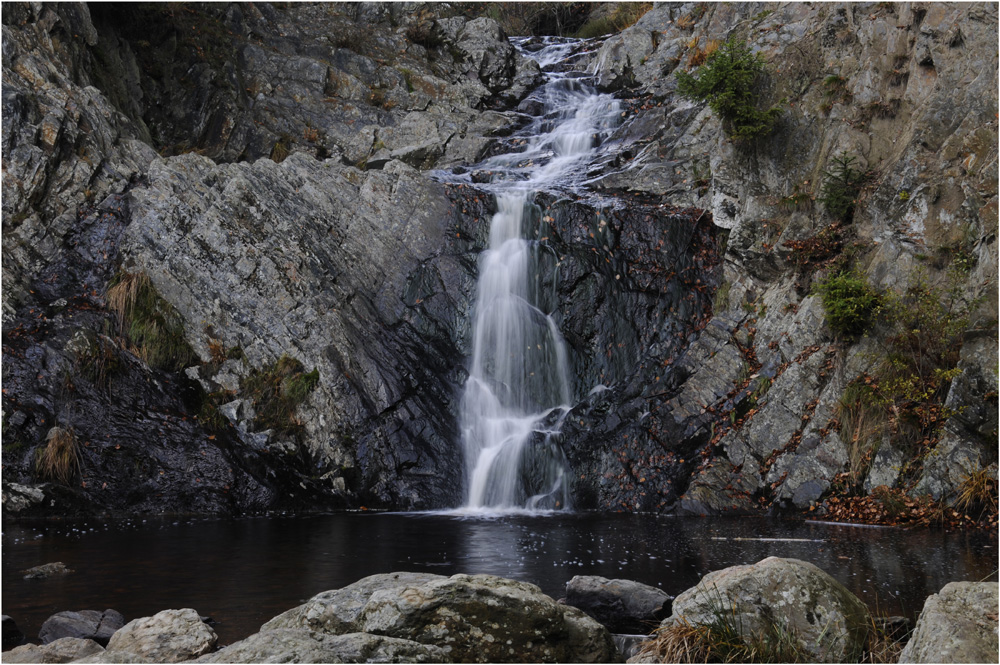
x=622 y=606
x=170 y=636
x=473 y=618
x=827 y=620
x=872 y=84
x=86 y=624
x=268 y=168
x=957 y=625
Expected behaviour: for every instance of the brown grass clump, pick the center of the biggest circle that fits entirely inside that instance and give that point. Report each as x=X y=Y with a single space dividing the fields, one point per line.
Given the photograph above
x=724 y=640
x=700 y=54
x=679 y=643
x=152 y=327
x=124 y=292
x=977 y=495
x=59 y=459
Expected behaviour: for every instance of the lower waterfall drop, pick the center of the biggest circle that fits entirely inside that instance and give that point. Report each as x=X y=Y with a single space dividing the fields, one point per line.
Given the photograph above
x=518 y=392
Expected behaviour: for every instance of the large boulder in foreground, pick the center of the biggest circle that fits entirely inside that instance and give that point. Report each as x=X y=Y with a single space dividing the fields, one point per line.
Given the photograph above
x=292 y=645
x=474 y=618
x=957 y=625
x=623 y=606
x=170 y=636
x=828 y=621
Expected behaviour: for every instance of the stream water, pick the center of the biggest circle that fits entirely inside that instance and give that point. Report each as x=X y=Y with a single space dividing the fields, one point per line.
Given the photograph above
x=243 y=572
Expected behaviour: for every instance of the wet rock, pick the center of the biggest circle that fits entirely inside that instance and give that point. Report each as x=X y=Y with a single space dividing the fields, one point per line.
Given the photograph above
x=170 y=636
x=622 y=606
x=85 y=624
x=62 y=650
x=289 y=645
x=46 y=570
x=957 y=625
x=828 y=621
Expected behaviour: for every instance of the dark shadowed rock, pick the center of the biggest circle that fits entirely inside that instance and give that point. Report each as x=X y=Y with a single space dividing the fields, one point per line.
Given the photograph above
x=12 y=635
x=622 y=606
x=85 y=624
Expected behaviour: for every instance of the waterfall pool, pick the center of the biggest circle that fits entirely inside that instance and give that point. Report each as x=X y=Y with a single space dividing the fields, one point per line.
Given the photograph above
x=243 y=572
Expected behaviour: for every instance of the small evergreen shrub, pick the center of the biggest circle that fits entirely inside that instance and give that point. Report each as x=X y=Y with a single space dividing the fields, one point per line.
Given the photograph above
x=849 y=302
x=729 y=81
x=841 y=188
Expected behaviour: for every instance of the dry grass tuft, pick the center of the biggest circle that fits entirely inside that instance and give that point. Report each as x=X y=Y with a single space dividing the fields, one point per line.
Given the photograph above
x=123 y=294
x=977 y=495
x=59 y=459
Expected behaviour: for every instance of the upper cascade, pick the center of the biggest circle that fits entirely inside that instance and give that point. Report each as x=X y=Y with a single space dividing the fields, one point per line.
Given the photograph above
x=518 y=391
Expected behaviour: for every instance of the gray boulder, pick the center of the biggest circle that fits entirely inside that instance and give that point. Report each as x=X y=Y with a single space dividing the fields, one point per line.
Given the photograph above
x=474 y=618
x=86 y=624
x=957 y=625
x=63 y=650
x=829 y=622
x=170 y=636
x=290 y=645
x=622 y=606
x=337 y=611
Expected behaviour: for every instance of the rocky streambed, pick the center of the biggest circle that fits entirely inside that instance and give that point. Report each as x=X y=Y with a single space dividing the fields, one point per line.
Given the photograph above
x=423 y=617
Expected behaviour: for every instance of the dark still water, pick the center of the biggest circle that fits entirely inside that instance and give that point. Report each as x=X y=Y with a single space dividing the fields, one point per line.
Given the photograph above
x=243 y=572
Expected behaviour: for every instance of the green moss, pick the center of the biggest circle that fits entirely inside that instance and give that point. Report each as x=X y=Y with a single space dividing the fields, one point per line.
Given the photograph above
x=209 y=415
x=729 y=81
x=277 y=391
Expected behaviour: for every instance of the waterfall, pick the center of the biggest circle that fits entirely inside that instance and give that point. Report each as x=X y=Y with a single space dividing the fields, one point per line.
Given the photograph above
x=518 y=391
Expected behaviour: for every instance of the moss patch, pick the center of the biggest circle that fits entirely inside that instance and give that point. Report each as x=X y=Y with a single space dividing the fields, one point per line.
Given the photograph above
x=277 y=391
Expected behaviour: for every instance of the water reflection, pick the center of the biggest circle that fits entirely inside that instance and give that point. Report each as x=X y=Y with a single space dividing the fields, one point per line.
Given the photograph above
x=244 y=572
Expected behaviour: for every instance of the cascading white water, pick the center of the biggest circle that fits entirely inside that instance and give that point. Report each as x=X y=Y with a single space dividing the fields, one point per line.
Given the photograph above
x=518 y=390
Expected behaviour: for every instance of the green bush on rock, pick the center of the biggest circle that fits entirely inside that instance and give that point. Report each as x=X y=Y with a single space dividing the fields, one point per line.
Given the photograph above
x=850 y=303
x=841 y=188
x=729 y=81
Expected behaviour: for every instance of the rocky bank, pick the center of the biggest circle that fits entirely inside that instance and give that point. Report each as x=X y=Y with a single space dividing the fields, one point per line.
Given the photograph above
x=420 y=617
x=240 y=246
